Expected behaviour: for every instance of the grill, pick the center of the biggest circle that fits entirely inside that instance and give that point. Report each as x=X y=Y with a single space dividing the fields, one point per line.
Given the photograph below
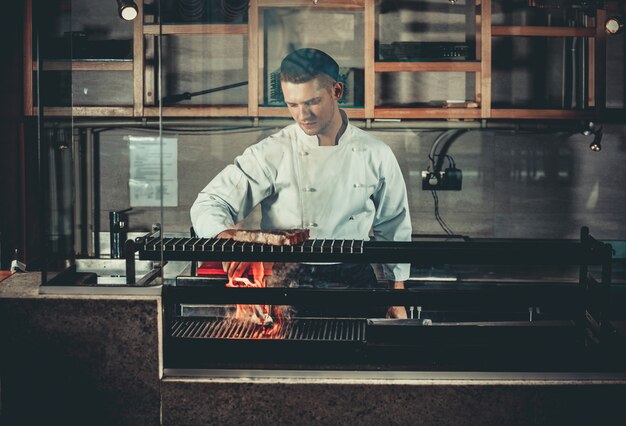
x=570 y=334
x=467 y=251
x=304 y=329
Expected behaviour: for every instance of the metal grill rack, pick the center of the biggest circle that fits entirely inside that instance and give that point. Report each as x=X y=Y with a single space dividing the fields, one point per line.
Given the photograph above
x=303 y=329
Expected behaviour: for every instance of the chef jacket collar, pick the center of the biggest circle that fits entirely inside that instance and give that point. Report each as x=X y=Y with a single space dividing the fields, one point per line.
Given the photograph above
x=313 y=142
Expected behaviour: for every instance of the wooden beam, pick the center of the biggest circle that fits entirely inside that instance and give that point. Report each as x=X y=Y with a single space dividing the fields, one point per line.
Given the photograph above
x=138 y=61
x=191 y=29
x=198 y=111
x=88 y=111
x=28 y=57
x=478 y=52
x=600 y=64
x=253 y=58
x=591 y=69
x=548 y=114
x=283 y=112
x=369 y=40
x=261 y=61
x=86 y=65
x=427 y=113
x=528 y=31
x=485 y=59
x=320 y=4
x=427 y=66
x=149 y=71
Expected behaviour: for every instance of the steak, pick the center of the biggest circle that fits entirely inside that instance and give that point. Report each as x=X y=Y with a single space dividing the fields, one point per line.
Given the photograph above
x=286 y=237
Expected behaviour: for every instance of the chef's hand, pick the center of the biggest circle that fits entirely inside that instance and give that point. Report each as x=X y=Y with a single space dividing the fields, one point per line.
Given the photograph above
x=396 y=311
x=242 y=269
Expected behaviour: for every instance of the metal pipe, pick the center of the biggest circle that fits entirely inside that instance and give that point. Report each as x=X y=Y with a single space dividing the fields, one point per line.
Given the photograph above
x=188 y=122
x=267 y=122
x=99 y=125
x=96 y=190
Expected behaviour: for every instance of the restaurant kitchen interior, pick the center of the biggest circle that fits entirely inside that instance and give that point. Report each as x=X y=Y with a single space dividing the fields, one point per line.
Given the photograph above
x=507 y=120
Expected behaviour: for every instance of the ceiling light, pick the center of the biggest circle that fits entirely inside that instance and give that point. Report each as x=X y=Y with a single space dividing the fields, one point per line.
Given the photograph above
x=127 y=9
x=614 y=25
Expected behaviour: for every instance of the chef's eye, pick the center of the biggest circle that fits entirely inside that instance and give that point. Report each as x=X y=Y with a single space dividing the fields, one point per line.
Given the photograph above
x=292 y=105
x=313 y=101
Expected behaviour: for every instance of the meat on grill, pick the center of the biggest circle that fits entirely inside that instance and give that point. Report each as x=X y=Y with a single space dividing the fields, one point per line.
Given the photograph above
x=277 y=238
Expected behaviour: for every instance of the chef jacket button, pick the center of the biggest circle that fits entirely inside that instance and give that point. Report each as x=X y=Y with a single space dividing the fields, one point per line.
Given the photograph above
x=308 y=189
x=357 y=185
x=304 y=154
x=312 y=225
x=351 y=218
x=354 y=149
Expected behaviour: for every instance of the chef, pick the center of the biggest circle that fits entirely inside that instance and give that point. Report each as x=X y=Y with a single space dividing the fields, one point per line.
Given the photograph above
x=320 y=173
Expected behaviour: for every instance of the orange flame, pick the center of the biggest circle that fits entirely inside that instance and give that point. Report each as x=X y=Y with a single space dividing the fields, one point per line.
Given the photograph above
x=262 y=315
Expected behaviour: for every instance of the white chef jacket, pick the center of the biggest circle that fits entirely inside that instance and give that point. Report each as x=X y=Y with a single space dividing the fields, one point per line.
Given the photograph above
x=337 y=192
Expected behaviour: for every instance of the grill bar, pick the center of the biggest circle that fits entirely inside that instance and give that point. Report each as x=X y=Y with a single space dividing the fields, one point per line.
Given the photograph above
x=309 y=329
x=476 y=251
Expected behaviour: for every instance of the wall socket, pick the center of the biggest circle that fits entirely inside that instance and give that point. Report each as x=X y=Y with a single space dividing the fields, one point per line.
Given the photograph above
x=450 y=179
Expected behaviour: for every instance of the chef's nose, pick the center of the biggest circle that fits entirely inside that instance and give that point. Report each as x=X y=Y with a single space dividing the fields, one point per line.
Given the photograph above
x=304 y=112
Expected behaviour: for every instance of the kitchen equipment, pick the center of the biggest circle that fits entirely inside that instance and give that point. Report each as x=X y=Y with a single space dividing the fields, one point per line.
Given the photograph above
x=479 y=325
x=118 y=227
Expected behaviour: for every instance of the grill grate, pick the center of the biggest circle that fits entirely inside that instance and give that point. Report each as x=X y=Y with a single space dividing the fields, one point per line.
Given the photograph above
x=304 y=329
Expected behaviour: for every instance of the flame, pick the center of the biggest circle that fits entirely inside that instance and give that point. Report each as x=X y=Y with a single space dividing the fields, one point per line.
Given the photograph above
x=265 y=316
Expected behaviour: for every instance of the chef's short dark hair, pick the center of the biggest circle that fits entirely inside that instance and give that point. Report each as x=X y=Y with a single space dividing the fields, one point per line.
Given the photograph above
x=306 y=64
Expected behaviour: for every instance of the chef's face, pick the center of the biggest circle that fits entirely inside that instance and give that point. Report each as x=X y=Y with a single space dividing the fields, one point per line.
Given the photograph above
x=313 y=105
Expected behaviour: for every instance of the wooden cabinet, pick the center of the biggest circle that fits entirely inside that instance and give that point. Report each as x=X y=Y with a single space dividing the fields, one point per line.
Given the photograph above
x=477 y=69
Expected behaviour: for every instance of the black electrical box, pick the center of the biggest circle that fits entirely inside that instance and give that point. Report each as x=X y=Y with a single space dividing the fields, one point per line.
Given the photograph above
x=450 y=179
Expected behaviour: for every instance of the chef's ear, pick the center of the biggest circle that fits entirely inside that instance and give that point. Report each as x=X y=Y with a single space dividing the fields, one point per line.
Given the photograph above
x=338 y=90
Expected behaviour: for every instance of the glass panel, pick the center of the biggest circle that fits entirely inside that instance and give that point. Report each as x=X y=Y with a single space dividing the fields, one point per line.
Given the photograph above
x=102 y=88
x=211 y=69
x=542 y=13
x=426 y=31
x=615 y=71
x=540 y=72
x=198 y=11
x=289 y=29
x=51 y=24
x=424 y=88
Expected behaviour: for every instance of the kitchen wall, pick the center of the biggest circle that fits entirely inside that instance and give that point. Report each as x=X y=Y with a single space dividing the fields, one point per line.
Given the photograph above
x=515 y=183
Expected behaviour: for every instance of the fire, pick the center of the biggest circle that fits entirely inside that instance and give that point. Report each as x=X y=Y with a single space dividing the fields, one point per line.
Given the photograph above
x=261 y=315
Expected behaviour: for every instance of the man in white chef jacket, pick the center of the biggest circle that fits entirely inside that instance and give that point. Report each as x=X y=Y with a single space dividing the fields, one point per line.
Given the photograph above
x=319 y=173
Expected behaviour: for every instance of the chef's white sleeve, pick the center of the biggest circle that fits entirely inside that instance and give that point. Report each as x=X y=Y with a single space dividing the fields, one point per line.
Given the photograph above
x=392 y=221
x=232 y=194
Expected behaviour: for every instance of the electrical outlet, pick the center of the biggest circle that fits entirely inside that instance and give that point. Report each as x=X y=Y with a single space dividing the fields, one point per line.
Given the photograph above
x=448 y=180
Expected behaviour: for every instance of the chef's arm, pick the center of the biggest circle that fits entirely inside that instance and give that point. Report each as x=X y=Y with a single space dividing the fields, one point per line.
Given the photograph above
x=231 y=195
x=396 y=311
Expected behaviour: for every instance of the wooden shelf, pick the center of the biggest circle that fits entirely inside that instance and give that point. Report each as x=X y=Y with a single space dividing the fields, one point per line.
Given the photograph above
x=195 y=29
x=145 y=71
x=469 y=66
x=321 y=4
x=87 y=111
x=281 y=112
x=199 y=111
x=527 y=31
x=113 y=65
x=538 y=114
x=426 y=113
